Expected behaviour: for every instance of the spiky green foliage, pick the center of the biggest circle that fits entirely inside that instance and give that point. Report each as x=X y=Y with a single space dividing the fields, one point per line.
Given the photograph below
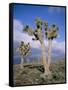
x=39 y=23
x=46 y=26
x=36 y=33
x=24 y=49
x=28 y=30
x=51 y=32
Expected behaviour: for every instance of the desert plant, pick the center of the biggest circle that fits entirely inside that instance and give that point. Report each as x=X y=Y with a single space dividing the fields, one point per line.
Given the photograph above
x=24 y=50
x=50 y=33
x=38 y=36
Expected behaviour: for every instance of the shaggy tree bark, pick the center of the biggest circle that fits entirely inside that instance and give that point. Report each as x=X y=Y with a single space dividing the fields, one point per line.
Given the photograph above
x=49 y=52
x=40 y=35
x=46 y=69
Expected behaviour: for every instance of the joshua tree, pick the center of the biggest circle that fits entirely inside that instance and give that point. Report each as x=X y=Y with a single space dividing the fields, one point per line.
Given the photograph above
x=50 y=33
x=24 y=50
x=38 y=36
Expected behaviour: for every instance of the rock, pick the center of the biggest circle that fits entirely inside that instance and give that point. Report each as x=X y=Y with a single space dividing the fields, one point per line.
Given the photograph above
x=47 y=75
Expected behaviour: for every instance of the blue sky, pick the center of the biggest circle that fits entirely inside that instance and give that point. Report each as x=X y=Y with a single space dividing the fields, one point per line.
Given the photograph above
x=27 y=14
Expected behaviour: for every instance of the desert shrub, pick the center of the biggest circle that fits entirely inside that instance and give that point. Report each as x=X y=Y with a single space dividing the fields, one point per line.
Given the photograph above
x=32 y=75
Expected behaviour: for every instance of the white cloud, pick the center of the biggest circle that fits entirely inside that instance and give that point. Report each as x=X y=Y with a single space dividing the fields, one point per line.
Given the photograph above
x=20 y=36
x=60 y=46
x=17 y=25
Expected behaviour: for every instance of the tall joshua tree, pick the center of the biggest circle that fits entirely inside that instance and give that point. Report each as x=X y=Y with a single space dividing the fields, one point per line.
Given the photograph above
x=50 y=33
x=38 y=36
x=24 y=50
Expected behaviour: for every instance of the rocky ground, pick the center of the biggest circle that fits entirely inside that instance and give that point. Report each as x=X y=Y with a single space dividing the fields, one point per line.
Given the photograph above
x=31 y=75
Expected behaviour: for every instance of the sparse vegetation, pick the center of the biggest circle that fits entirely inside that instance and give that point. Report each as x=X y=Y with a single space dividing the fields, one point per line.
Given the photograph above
x=31 y=74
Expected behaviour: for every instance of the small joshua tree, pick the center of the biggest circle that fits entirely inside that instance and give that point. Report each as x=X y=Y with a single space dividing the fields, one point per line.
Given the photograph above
x=24 y=50
x=50 y=33
x=38 y=36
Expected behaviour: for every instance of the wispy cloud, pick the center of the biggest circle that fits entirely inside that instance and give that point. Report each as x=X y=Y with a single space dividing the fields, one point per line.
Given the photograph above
x=60 y=46
x=52 y=10
x=17 y=25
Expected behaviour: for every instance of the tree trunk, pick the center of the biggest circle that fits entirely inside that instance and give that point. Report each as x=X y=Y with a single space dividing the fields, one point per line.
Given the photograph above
x=21 y=64
x=49 y=52
x=44 y=59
